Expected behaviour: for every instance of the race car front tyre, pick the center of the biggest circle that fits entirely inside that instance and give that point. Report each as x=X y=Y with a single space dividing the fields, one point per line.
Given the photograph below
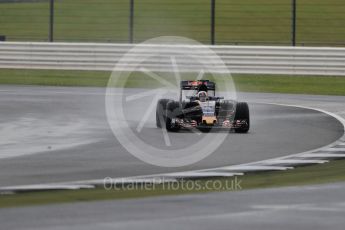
x=160 y=112
x=242 y=114
x=173 y=110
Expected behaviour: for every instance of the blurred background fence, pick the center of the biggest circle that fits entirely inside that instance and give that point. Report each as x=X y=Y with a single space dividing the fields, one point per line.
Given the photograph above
x=265 y=22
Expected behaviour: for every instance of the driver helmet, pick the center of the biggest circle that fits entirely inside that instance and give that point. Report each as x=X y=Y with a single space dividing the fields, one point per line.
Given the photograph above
x=202 y=96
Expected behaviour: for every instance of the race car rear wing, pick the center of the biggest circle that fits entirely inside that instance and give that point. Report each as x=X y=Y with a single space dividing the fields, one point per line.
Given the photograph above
x=196 y=85
x=210 y=98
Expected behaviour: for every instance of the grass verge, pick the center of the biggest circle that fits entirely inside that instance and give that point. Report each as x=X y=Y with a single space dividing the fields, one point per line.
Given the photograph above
x=315 y=174
x=322 y=85
x=249 y=21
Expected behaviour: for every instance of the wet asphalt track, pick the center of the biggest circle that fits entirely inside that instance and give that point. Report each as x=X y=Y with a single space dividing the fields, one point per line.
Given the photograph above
x=53 y=134
x=315 y=207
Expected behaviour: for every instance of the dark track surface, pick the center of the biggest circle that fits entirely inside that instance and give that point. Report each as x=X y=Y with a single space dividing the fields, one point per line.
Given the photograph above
x=316 y=207
x=53 y=134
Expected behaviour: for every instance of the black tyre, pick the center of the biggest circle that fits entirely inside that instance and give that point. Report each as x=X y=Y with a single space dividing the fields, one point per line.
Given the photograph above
x=173 y=111
x=242 y=113
x=161 y=112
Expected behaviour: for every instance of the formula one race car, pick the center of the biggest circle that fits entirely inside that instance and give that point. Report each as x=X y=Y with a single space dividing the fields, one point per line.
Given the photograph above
x=199 y=108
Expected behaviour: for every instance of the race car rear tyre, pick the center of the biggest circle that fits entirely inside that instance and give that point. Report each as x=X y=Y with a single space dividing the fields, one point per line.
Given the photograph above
x=173 y=110
x=161 y=112
x=242 y=113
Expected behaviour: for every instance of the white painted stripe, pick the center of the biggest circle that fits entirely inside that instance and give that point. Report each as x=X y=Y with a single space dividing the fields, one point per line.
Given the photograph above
x=45 y=187
x=296 y=161
x=155 y=180
x=202 y=174
x=324 y=155
x=249 y=168
x=335 y=149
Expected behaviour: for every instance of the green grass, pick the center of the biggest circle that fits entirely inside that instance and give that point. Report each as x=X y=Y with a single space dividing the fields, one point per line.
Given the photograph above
x=54 y=77
x=316 y=174
x=323 y=85
x=291 y=84
x=246 y=21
